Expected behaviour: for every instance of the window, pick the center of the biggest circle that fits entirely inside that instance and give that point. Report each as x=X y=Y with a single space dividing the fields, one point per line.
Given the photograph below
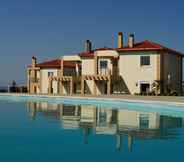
x=103 y=64
x=50 y=74
x=145 y=60
x=144 y=121
x=102 y=118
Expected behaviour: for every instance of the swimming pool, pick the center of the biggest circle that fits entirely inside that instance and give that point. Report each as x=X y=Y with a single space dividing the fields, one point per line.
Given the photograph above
x=44 y=130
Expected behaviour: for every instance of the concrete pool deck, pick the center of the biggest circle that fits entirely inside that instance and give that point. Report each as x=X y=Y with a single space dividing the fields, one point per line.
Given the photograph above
x=173 y=100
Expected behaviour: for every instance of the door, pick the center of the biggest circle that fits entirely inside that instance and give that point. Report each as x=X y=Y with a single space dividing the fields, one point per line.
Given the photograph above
x=144 y=88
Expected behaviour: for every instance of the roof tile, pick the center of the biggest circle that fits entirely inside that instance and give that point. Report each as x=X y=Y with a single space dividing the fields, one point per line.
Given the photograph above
x=56 y=64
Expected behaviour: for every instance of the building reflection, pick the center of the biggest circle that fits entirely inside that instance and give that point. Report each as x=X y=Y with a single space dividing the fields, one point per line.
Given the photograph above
x=122 y=123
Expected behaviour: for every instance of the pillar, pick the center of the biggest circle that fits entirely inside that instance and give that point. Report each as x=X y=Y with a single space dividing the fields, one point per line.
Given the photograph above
x=86 y=134
x=61 y=87
x=82 y=85
x=71 y=86
x=119 y=142
x=61 y=112
x=130 y=143
x=50 y=87
x=95 y=65
x=62 y=67
x=95 y=109
x=28 y=81
x=109 y=85
x=94 y=88
x=76 y=110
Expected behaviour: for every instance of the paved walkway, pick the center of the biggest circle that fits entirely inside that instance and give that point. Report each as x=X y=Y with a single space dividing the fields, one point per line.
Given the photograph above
x=171 y=99
x=147 y=98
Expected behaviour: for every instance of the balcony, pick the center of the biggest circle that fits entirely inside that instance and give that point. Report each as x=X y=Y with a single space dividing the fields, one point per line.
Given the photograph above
x=104 y=71
x=107 y=71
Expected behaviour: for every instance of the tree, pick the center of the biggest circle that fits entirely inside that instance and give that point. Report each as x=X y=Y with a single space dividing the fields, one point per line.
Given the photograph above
x=14 y=83
x=156 y=87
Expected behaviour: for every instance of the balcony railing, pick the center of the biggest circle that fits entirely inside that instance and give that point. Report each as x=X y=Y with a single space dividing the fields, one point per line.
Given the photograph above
x=107 y=71
x=104 y=71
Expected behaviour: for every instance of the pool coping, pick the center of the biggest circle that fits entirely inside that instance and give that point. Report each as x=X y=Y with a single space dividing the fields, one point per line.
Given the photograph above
x=104 y=98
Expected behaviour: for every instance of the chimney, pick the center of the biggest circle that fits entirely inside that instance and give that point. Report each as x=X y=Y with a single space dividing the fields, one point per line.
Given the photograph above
x=131 y=40
x=34 y=61
x=120 y=40
x=88 y=46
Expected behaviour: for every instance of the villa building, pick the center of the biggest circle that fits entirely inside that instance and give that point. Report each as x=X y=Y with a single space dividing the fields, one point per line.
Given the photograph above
x=135 y=68
x=143 y=67
x=43 y=77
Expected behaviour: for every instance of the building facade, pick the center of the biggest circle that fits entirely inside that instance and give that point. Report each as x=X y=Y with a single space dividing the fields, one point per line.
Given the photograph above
x=134 y=68
x=52 y=77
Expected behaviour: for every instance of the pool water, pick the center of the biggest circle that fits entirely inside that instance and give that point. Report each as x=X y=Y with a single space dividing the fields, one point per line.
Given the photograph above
x=59 y=132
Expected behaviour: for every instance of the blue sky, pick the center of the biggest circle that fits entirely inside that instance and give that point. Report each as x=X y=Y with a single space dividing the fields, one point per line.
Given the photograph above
x=51 y=28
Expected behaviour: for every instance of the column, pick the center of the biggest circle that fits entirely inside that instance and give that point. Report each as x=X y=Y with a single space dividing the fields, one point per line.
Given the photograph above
x=71 y=86
x=61 y=112
x=94 y=88
x=95 y=65
x=28 y=81
x=95 y=116
x=50 y=87
x=76 y=110
x=86 y=134
x=119 y=142
x=109 y=85
x=130 y=143
x=82 y=85
x=61 y=87
x=62 y=67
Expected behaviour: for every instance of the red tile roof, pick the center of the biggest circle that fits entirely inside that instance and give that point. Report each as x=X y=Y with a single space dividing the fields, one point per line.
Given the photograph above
x=91 y=54
x=56 y=64
x=141 y=46
x=104 y=49
x=148 y=46
x=86 y=54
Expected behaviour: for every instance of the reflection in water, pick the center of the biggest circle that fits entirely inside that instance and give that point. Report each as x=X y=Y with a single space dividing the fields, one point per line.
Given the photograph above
x=122 y=123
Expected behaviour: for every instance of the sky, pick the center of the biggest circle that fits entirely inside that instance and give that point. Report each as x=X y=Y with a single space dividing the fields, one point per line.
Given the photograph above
x=49 y=29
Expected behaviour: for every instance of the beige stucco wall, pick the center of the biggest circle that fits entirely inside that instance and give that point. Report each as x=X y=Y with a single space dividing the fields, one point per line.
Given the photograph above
x=87 y=66
x=88 y=69
x=88 y=113
x=131 y=119
x=107 y=53
x=45 y=83
x=133 y=73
